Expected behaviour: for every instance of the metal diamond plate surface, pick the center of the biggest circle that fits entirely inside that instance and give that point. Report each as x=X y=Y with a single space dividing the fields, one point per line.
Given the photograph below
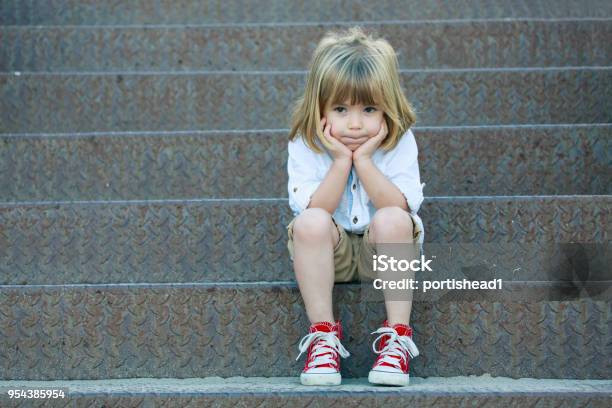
x=219 y=298
x=233 y=11
x=450 y=44
x=120 y=331
x=246 y=240
x=461 y=161
x=190 y=101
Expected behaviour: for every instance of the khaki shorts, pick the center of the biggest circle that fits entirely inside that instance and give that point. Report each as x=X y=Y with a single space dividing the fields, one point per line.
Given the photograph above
x=353 y=254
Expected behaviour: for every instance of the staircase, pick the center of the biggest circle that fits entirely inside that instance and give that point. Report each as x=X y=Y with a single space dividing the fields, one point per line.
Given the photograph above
x=143 y=199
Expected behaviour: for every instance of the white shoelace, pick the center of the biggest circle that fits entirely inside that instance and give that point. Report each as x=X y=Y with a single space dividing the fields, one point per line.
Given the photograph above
x=330 y=344
x=397 y=346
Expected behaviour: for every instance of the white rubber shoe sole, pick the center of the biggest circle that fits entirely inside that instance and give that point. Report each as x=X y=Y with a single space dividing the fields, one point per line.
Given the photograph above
x=321 y=379
x=385 y=378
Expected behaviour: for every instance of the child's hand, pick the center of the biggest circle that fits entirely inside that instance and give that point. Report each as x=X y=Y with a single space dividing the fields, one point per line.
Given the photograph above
x=366 y=150
x=339 y=151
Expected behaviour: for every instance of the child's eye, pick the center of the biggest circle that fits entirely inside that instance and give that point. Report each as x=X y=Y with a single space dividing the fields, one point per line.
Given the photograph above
x=369 y=109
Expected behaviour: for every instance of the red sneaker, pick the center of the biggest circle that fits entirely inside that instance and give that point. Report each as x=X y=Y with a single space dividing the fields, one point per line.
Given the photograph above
x=324 y=351
x=396 y=349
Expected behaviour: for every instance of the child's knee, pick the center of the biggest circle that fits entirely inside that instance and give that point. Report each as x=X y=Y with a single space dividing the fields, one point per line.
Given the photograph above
x=313 y=224
x=391 y=221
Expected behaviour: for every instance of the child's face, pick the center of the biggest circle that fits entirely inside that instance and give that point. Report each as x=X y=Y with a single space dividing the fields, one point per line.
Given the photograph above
x=353 y=125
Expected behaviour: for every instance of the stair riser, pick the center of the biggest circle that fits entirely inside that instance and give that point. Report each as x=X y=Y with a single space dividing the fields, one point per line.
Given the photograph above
x=218 y=11
x=419 y=45
x=246 y=241
x=70 y=103
x=493 y=161
x=196 y=331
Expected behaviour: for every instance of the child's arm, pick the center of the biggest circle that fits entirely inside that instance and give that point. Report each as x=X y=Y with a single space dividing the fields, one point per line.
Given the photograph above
x=330 y=191
x=303 y=179
x=381 y=191
x=306 y=190
x=398 y=182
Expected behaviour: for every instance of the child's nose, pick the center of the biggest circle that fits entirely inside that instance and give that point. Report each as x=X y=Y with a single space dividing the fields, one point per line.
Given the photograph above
x=354 y=121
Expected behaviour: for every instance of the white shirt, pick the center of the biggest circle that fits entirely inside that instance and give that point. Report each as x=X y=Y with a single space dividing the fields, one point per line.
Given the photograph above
x=307 y=169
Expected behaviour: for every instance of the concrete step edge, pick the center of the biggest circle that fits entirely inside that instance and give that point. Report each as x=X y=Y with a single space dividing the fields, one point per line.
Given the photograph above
x=242 y=285
x=302 y=72
x=278 y=200
x=363 y=23
x=252 y=386
x=240 y=132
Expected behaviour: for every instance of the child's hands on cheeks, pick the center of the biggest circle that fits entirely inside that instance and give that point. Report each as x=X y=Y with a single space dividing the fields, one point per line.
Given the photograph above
x=340 y=151
x=366 y=150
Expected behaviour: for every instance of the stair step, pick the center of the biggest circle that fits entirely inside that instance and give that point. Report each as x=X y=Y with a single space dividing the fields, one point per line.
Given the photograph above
x=286 y=391
x=63 y=12
x=83 y=102
x=431 y=44
x=514 y=160
x=197 y=330
x=246 y=240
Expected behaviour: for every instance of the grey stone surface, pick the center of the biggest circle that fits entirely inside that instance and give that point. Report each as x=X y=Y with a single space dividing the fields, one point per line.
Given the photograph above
x=283 y=392
x=455 y=385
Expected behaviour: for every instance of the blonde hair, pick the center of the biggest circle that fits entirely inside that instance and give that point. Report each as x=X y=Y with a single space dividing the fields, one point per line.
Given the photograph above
x=353 y=65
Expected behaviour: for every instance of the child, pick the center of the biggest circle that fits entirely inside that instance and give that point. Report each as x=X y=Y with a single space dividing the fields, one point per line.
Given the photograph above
x=353 y=184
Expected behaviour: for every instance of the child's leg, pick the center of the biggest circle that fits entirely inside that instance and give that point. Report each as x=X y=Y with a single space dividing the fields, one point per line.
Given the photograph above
x=394 y=225
x=314 y=238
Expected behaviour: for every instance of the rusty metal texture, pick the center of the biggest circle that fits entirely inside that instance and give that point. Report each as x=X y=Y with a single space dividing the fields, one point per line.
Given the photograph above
x=198 y=330
x=446 y=44
x=114 y=12
x=245 y=240
x=555 y=160
x=250 y=100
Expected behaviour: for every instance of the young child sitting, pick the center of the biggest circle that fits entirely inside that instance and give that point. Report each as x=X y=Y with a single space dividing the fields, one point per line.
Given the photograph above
x=354 y=184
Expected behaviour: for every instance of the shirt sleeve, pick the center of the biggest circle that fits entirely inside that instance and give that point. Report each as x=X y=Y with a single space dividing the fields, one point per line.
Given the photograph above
x=402 y=169
x=302 y=170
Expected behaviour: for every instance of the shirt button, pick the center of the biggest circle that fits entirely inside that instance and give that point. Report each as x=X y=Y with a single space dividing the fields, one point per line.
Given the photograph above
x=354 y=186
x=355 y=220
x=295 y=189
